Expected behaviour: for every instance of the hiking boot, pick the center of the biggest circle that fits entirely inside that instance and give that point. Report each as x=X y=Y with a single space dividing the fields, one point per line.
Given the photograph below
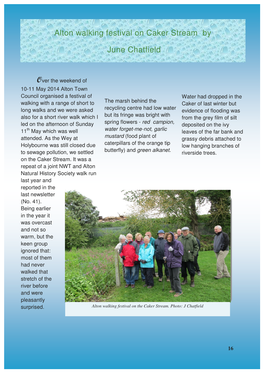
x=160 y=279
x=218 y=276
x=168 y=280
x=127 y=285
x=178 y=294
x=192 y=282
x=132 y=286
x=145 y=285
x=228 y=276
x=171 y=291
x=149 y=287
x=184 y=281
x=199 y=273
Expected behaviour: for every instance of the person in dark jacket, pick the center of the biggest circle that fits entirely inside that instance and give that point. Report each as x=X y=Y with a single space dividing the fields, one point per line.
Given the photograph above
x=195 y=262
x=159 y=250
x=173 y=252
x=221 y=249
x=129 y=253
x=190 y=251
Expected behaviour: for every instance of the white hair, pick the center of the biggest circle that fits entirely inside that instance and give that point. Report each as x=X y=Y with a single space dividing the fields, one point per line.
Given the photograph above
x=147 y=238
x=121 y=237
x=218 y=226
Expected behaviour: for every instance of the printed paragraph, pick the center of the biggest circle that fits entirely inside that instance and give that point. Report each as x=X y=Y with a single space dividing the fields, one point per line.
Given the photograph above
x=134 y=126
x=210 y=124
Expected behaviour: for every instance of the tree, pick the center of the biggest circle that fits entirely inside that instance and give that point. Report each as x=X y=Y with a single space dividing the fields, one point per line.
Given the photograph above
x=82 y=210
x=177 y=204
x=180 y=205
x=220 y=210
x=74 y=234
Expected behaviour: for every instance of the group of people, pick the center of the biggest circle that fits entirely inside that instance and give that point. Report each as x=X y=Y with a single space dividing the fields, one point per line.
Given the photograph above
x=173 y=252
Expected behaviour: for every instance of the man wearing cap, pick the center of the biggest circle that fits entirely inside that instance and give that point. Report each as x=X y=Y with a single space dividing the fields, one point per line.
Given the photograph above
x=221 y=249
x=159 y=250
x=190 y=251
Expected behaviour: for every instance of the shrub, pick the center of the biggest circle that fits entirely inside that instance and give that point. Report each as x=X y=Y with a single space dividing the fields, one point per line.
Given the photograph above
x=142 y=224
x=207 y=239
x=78 y=289
x=74 y=234
x=206 y=247
x=82 y=209
x=110 y=224
x=89 y=274
x=108 y=239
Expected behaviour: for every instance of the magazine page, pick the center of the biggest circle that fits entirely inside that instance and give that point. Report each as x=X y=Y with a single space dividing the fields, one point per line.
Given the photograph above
x=132 y=186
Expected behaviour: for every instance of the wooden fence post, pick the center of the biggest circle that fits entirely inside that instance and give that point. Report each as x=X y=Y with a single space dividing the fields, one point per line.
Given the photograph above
x=117 y=273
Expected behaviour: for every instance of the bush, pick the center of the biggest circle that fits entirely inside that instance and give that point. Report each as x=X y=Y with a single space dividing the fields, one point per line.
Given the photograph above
x=110 y=224
x=89 y=274
x=206 y=247
x=74 y=234
x=107 y=240
x=206 y=238
x=82 y=209
x=78 y=288
x=142 y=224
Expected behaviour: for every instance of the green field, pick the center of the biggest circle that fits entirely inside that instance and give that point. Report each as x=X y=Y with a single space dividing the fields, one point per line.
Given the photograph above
x=90 y=277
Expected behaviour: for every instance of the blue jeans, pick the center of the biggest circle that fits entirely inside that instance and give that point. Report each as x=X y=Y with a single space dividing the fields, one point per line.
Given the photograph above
x=130 y=273
x=137 y=266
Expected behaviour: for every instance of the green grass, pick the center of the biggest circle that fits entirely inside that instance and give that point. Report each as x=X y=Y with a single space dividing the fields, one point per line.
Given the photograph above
x=100 y=285
x=206 y=289
x=89 y=274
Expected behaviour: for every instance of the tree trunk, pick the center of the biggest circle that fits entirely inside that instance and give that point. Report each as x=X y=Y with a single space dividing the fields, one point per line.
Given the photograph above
x=194 y=219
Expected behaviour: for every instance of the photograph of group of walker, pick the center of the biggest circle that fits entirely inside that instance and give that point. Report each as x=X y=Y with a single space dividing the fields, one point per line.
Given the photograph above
x=173 y=246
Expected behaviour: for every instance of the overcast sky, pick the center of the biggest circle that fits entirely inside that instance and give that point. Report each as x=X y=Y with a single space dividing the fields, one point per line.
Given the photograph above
x=112 y=202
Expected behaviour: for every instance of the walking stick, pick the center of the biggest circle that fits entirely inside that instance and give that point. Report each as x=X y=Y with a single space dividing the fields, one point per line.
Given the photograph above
x=162 y=274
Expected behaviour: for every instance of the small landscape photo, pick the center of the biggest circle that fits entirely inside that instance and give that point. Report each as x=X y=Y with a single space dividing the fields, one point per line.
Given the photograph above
x=169 y=246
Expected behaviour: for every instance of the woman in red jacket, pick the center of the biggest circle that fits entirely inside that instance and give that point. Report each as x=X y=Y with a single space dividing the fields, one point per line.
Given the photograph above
x=129 y=256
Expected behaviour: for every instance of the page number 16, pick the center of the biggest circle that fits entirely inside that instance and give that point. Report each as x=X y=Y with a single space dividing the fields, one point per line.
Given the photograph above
x=230 y=348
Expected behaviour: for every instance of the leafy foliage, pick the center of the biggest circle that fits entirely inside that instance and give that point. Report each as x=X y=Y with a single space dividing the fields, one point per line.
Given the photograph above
x=74 y=234
x=82 y=209
x=220 y=211
x=110 y=224
x=142 y=224
x=78 y=289
x=182 y=205
x=89 y=274
x=106 y=240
